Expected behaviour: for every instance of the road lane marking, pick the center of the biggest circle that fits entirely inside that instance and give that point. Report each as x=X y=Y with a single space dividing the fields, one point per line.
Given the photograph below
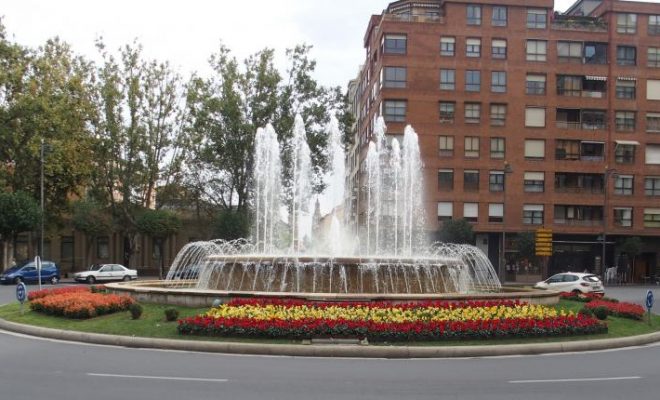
x=614 y=378
x=162 y=378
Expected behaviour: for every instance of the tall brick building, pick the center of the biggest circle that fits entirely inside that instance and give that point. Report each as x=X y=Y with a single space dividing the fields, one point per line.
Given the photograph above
x=528 y=118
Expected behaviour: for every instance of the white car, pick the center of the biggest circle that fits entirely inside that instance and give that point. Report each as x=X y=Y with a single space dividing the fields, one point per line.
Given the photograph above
x=106 y=272
x=573 y=282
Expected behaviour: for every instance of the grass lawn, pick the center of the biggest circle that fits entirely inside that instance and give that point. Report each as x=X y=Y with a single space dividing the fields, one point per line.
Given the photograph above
x=152 y=324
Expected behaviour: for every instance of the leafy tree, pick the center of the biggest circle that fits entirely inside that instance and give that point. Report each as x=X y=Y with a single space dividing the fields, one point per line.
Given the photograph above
x=45 y=97
x=456 y=231
x=526 y=245
x=230 y=225
x=18 y=213
x=160 y=225
x=632 y=246
x=90 y=218
x=140 y=135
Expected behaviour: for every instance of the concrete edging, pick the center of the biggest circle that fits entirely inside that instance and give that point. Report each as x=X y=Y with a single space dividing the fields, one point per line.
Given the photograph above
x=334 y=350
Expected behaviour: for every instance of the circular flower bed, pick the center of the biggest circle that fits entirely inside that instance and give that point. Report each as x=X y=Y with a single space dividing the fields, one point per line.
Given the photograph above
x=77 y=302
x=381 y=321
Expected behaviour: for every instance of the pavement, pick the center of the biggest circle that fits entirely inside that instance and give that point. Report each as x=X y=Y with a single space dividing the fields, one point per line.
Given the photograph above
x=634 y=294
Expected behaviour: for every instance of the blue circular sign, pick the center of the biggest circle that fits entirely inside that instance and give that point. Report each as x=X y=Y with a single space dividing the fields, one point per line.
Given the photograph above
x=649 y=299
x=21 y=292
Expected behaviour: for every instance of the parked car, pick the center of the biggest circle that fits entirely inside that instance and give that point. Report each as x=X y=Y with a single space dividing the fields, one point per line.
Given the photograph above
x=573 y=282
x=27 y=272
x=188 y=272
x=106 y=272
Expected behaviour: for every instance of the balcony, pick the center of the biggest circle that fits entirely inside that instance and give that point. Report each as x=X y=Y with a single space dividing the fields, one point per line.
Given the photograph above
x=578 y=23
x=406 y=17
x=578 y=215
x=588 y=120
x=576 y=183
x=594 y=87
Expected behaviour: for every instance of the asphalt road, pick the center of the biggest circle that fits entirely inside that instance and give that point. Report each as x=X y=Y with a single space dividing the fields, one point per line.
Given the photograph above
x=42 y=369
x=33 y=368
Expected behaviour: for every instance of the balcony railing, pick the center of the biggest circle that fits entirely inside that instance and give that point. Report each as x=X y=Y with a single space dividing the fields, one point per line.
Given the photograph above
x=587 y=126
x=577 y=23
x=579 y=190
x=579 y=222
x=415 y=18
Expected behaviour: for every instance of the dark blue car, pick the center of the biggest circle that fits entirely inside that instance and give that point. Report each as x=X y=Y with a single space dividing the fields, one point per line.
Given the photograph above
x=27 y=272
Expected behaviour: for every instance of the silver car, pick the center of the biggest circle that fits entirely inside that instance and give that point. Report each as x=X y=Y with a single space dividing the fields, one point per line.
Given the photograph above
x=106 y=272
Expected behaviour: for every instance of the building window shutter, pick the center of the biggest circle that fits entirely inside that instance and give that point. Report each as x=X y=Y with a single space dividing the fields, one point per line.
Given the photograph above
x=535 y=117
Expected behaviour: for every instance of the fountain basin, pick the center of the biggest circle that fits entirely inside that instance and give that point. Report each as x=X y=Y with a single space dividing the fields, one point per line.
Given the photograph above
x=176 y=293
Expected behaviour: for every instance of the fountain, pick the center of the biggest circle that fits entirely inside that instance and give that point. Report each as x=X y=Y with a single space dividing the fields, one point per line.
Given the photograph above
x=389 y=257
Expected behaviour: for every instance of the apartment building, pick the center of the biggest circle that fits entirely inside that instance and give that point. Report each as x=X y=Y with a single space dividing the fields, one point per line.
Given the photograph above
x=527 y=118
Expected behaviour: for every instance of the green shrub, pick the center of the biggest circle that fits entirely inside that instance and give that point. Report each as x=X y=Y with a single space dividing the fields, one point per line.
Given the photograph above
x=601 y=312
x=171 y=314
x=136 y=310
x=586 y=312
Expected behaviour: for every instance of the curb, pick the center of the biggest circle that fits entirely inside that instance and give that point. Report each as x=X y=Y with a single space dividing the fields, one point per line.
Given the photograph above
x=311 y=350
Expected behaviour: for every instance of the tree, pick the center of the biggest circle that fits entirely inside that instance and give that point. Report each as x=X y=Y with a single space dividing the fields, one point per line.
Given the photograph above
x=456 y=231
x=230 y=225
x=159 y=225
x=632 y=246
x=90 y=218
x=140 y=135
x=18 y=213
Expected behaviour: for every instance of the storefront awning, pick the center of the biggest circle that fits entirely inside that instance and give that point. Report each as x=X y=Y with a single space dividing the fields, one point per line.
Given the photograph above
x=627 y=142
x=595 y=78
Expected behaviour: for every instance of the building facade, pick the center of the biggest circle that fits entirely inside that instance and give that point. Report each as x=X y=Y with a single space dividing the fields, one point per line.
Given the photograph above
x=527 y=119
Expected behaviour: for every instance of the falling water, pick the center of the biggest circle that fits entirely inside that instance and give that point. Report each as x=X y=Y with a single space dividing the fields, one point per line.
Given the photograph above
x=301 y=188
x=267 y=188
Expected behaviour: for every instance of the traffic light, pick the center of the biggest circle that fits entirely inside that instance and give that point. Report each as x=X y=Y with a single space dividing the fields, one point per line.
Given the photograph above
x=543 y=242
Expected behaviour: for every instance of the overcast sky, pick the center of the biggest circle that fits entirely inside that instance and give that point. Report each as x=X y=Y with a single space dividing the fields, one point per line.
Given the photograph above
x=187 y=32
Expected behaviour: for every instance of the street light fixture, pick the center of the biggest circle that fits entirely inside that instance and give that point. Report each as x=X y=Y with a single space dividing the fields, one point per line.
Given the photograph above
x=608 y=172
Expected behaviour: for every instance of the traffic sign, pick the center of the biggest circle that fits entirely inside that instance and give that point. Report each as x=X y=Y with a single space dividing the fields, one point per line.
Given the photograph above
x=649 y=300
x=21 y=292
x=37 y=263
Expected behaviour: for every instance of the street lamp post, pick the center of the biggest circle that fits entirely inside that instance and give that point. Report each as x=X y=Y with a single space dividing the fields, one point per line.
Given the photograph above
x=41 y=234
x=507 y=170
x=608 y=173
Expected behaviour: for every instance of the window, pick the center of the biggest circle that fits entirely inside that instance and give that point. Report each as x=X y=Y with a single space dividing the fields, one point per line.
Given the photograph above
x=535 y=117
x=394 y=77
x=652 y=154
x=472 y=81
x=473 y=47
x=446 y=179
x=534 y=149
x=495 y=212
x=625 y=121
x=593 y=119
x=592 y=150
x=625 y=89
x=446 y=146
x=653 y=57
x=472 y=147
x=447 y=79
x=537 y=50
x=471 y=180
x=471 y=212
x=473 y=15
x=626 y=23
x=652 y=122
x=579 y=215
x=652 y=89
x=534 y=182
x=496 y=181
x=499 y=16
x=447 y=111
x=498 y=82
x=498 y=49
x=445 y=211
x=395 y=110
x=472 y=113
x=497 y=114
x=626 y=55
x=497 y=148
x=623 y=185
x=102 y=247
x=624 y=154
x=568 y=85
x=537 y=18
x=447 y=46
x=623 y=216
x=533 y=214
x=535 y=84
x=569 y=52
x=567 y=150
x=394 y=44
x=595 y=53
x=651 y=218
x=652 y=186
x=654 y=24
